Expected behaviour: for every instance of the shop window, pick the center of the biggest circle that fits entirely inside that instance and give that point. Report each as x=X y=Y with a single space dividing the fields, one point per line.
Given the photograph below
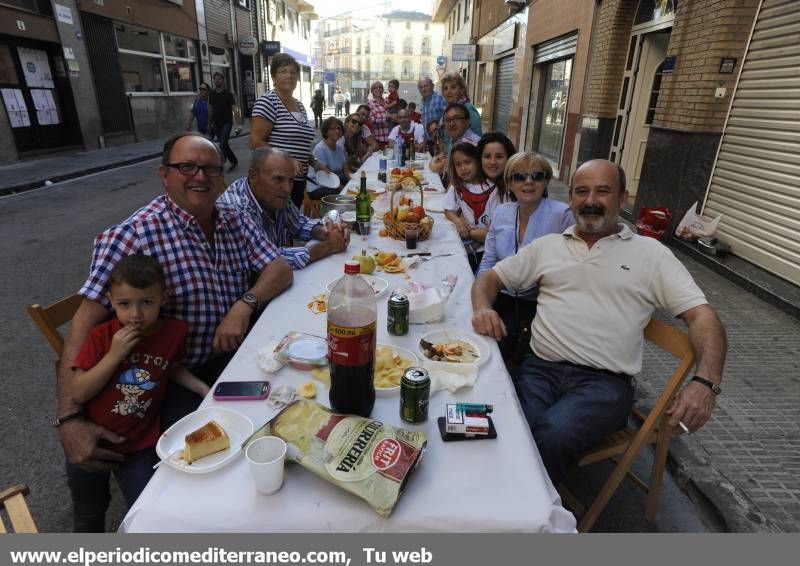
x=8 y=71
x=134 y=38
x=178 y=47
x=141 y=74
x=181 y=76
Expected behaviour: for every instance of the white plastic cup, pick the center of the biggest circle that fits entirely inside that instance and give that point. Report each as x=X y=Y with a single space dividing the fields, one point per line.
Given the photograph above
x=266 y=456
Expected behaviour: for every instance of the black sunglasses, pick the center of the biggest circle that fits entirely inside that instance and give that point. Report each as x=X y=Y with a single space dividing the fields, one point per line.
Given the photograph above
x=191 y=169
x=524 y=176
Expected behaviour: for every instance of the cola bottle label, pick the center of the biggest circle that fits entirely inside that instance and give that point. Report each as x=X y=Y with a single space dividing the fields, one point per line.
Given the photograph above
x=351 y=346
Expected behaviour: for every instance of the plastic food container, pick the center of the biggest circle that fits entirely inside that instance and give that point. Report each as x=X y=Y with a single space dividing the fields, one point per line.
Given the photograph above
x=306 y=352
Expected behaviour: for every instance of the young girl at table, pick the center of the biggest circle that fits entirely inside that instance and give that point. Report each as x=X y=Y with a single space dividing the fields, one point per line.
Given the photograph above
x=470 y=200
x=120 y=377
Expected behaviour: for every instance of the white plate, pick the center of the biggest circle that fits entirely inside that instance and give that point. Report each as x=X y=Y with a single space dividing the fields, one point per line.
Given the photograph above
x=353 y=189
x=328 y=180
x=236 y=425
x=377 y=283
x=391 y=391
x=450 y=334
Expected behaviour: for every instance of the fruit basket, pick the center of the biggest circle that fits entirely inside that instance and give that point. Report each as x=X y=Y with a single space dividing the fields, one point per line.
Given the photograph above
x=396 y=229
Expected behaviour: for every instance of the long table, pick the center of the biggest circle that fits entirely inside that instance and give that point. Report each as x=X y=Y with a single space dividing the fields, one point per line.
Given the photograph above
x=495 y=485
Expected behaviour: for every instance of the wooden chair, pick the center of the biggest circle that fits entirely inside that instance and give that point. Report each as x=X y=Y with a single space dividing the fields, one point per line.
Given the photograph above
x=311 y=208
x=624 y=446
x=13 y=500
x=51 y=317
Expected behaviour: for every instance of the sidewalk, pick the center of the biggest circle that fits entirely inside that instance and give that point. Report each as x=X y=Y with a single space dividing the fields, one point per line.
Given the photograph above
x=31 y=174
x=745 y=461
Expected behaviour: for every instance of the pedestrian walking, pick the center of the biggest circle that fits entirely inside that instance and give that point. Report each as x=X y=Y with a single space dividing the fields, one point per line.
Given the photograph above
x=338 y=100
x=347 y=103
x=199 y=110
x=317 y=106
x=221 y=102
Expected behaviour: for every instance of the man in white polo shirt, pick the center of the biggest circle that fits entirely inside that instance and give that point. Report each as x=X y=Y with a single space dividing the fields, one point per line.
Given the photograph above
x=598 y=287
x=408 y=130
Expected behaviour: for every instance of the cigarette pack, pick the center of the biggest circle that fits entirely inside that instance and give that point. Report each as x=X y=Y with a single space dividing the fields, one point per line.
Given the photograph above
x=459 y=422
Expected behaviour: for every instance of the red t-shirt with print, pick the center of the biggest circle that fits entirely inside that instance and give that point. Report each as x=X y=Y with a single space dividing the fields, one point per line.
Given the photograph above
x=391 y=102
x=130 y=403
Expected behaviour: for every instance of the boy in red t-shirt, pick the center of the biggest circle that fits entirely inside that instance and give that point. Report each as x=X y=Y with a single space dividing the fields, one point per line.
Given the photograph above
x=121 y=375
x=393 y=102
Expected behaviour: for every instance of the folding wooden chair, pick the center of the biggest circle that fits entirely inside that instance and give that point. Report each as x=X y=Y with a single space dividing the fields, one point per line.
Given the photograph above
x=311 y=207
x=624 y=446
x=51 y=317
x=13 y=500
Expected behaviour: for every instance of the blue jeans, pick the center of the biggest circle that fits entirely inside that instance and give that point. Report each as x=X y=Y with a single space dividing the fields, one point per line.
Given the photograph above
x=570 y=409
x=91 y=494
x=223 y=134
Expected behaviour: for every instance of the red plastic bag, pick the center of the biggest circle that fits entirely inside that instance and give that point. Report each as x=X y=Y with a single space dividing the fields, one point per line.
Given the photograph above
x=653 y=221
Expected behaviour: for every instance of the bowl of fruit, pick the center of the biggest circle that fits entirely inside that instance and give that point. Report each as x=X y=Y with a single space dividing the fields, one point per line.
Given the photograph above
x=407 y=178
x=407 y=215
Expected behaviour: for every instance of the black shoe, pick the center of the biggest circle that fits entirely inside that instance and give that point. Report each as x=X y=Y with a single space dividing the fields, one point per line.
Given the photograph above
x=232 y=166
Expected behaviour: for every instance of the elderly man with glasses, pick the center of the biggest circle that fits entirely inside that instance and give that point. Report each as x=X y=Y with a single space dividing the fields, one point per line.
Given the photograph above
x=433 y=103
x=210 y=258
x=456 y=124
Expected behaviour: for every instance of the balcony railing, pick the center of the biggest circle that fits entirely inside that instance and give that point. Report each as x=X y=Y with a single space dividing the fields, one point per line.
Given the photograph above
x=408 y=50
x=425 y=51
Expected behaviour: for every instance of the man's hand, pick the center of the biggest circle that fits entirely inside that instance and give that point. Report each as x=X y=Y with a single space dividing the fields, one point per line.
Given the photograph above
x=320 y=166
x=338 y=238
x=489 y=323
x=231 y=331
x=692 y=406
x=124 y=340
x=80 y=437
x=298 y=168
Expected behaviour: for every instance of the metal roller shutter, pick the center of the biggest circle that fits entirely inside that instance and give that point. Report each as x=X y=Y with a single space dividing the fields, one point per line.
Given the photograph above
x=502 y=94
x=557 y=48
x=755 y=184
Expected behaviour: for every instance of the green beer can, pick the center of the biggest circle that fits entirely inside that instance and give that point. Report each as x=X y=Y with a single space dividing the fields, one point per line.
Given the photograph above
x=415 y=390
x=397 y=317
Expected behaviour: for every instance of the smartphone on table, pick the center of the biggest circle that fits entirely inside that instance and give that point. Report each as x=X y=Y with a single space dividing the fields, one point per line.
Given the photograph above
x=241 y=390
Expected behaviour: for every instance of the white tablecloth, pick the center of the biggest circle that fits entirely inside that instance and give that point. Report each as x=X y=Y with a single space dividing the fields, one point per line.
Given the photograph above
x=467 y=486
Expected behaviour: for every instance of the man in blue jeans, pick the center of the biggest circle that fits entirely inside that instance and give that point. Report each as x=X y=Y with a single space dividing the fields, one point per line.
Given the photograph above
x=598 y=287
x=220 y=120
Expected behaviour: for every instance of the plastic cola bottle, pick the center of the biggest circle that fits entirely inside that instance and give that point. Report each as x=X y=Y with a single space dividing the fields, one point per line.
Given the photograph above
x=352 y=334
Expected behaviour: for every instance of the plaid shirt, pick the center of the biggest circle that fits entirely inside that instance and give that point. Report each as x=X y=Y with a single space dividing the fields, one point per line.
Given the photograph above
x=378 y=119
x=432 y=109
x=280 y=227
x=203 y=281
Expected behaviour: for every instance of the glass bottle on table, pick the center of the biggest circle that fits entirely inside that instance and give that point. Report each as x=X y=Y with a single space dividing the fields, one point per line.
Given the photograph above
x=352 y=335
x=363 y=204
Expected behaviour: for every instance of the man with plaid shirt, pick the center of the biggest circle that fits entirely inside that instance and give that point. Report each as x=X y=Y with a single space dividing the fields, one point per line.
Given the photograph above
x=210 y=256
x=433 y=104
x=264 y=196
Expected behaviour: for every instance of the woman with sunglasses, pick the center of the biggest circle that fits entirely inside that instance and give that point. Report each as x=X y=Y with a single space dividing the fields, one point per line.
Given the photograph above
x=199 y=110
x=515 y=224
x=355 y=146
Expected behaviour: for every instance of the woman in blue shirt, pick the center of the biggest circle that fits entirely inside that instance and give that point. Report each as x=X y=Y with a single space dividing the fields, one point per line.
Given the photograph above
x=515 y=224
x=330 y=152
x=200 y=110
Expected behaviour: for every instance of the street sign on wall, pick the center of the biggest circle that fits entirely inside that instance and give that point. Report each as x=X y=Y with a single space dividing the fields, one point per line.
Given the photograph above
x=464 y=52
x=270 y=48
x=441 y=60
x=329 y=76
x=248 y=45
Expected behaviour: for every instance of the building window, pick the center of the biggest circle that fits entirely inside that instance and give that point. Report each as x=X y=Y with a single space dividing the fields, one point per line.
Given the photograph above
x=292 y=17
x=40 y=6
x=134 y=38
x=654 y=10
x=280 y=11
x=388 y=45
x=220 y=62
x=388 y=68
x=408 y=46
x=146 y=57
x=427 y=26
x=425 y=48
x=243 y=3
x=367 y=45
x=458 y=16
x=425 y=69
x=407 y=75
x=655 y=90
x=408 y=25
x=141 y=73
x=467 y=10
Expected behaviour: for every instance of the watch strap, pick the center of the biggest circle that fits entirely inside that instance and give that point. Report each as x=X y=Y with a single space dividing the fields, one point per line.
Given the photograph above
x=250 y=300
x=708 y=383
x=58 y=421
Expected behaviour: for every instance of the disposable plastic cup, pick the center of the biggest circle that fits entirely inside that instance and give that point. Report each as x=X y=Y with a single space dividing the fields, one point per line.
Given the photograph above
x=265 y=456
x=411 y=238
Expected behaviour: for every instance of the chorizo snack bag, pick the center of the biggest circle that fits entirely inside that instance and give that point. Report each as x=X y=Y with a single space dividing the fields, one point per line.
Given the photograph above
x=368 y=458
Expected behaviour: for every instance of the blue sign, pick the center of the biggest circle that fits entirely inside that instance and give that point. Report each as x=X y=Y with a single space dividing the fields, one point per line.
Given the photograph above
x=441 y=60
x=299 y=57
x=329 y=76
x=270 y=48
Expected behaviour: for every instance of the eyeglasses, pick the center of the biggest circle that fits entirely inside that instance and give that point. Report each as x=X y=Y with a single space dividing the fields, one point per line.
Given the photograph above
x=356 y=122
x=191 y=169
x=454 y=119
x=523 y=176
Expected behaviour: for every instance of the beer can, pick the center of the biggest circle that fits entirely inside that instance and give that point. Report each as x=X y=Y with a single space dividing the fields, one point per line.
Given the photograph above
x=415 y=390
x=397 y=317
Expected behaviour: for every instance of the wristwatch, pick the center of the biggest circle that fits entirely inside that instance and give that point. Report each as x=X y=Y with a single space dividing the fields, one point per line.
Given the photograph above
x=708 y=383
x=58 y=421
x=250 y=300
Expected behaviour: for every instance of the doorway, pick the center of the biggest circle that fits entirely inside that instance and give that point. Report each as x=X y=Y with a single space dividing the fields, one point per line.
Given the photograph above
x=646 y=88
